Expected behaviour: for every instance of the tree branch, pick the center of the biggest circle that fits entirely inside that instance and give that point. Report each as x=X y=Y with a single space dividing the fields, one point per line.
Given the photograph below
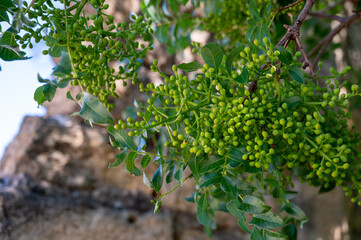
x=326 y=41
x=292 y=33
x=327 y=16
x=294 y=30
x=290 y=5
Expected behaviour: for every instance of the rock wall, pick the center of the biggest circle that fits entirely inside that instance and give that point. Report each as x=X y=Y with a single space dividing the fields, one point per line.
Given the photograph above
x=55 y=184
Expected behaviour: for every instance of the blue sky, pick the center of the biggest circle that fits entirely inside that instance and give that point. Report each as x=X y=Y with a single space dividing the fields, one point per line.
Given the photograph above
x=18 y=81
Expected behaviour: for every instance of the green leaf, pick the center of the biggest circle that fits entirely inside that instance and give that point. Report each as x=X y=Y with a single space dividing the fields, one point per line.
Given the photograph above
x=8 y=39
x=190 y=198
x=161 y=33
x=251 y=30
x=157 y=180
x=63 y=82
x=122 y=138
x=118 y=159
x=235 y=156
x=149 y=8
x=26 y=21
x=39 y=95
x=284 y=56
x=145 y=161
x=147 y=181
x=290 y=231
x=193 y=164
x=293 y=101
x=9 y=54
x=211 y=164
x=69 y=96
x=158 y=205
x=6 y=4
x=64 y=67
x=56 y=22
x=178 y=175
x=257 y=235
x=42 y=80
x=190 y=67
x=209 y=179
x=243 y=77
x=4 y=17
x=130 y=164
x=212 y=54
x=56 y=48
x=245 y=188
x=265 y=10
x=174 y=6
x=203 y=215
x=170 y=176
x=49 y=92
x=327 y=187
x=233 y=208
x=297 y=74
x=262 y=31
x=231 y=56
x=296 y=212
x=267 y=220
x=253 y=10
x=228 y=186
x=94 y=111
x=254 y=205
x=271 y=235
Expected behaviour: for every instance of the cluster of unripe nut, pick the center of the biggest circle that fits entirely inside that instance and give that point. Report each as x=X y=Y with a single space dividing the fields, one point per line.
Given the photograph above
x=281 y=124
x=93 y=42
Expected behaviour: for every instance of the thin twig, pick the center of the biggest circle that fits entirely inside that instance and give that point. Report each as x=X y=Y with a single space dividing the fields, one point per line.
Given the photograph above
x=292 y=34
x=290 y=5
x=327 y=16
x=30 y=5
x=321 y=46
x=292 y=30
x=298 y=43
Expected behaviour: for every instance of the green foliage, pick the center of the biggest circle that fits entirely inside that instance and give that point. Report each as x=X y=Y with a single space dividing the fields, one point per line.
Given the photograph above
x=245 y=121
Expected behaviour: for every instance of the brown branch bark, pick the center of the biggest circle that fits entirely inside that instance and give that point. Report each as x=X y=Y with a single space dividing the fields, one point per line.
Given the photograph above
x=294 y=30
x=292 y=33
x=327 y=16
x=321 y=46
x=290 y=5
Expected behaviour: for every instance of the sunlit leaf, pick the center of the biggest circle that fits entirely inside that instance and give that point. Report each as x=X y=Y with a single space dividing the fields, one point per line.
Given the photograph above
x=212 y=54
x=118 y=159
x=122 y=138
x=190 y=67
x=297 y=74
x=267 y=220
x=130 y=164
x=254 y=205
x=94 y=111
x=157 y=180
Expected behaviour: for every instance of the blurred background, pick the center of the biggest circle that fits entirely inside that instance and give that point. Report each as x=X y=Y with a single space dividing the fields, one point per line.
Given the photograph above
x=18 y=81
x=54 y=176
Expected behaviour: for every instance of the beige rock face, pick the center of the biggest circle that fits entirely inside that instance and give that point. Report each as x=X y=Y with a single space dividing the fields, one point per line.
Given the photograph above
x=67 y=153
x=55 y=184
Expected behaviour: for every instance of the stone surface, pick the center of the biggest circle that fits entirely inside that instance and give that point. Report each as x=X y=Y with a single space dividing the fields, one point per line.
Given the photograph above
x=67 y=153
x=55 y=184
